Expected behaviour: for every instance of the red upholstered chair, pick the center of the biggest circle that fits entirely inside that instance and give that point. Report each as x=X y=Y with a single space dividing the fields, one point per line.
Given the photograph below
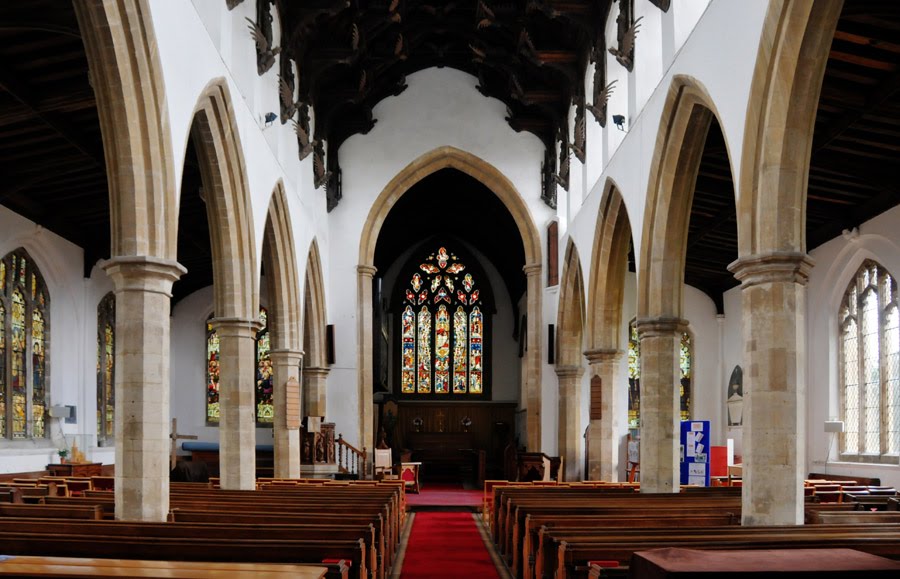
x=409 y=474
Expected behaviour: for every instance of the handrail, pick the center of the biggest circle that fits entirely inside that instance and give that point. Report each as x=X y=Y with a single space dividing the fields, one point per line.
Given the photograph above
x=349 y=463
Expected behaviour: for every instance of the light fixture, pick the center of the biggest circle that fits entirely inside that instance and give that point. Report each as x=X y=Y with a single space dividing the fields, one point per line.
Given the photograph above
x=270 y=118
x=619 y=121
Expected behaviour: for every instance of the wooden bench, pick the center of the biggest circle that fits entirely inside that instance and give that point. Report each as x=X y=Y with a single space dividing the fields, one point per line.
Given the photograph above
x=22 y=566
x=86 y=512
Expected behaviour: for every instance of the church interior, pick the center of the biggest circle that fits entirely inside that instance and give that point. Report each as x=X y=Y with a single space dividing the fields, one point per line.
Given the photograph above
x=305 y=286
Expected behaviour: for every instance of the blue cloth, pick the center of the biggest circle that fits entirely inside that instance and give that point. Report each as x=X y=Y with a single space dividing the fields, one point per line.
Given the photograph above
x=214 y=446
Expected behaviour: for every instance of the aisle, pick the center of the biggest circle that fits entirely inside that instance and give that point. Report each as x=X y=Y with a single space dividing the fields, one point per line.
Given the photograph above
x=444 y=495
x=446 y=545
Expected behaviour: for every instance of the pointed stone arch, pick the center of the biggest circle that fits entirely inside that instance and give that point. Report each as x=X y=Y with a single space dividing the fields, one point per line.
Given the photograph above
x=609 y=264
x=773 y=266
x=569 y=361
x=235 y=279
x=316 y=369
x=687 y=114
x=283 y=285
x=126 y=76
x=500 y=185
x=227 y=196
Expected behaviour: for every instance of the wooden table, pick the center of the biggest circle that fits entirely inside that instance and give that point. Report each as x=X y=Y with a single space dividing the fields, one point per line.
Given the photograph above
x=76 y=469
x=78 y=567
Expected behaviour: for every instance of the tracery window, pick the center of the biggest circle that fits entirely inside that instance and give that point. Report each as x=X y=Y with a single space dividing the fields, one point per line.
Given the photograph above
x=265 y=407
x=24 y=340
x=443 y=329
x=685 y=363
x=106 y=361
x=870 y=365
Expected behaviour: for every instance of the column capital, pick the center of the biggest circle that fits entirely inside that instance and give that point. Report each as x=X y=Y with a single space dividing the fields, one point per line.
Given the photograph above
x=660 y=326
x=531 y=269
x=600 y=355
x=286 y=355
x=570 y=371
x=791 y=267
x=143 y=273
x=366 y=270
x=240 y=327
x=317 y=371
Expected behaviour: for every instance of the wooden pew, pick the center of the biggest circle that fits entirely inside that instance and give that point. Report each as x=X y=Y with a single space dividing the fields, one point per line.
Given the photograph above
x=87 y=512
x=23 y=566
x=10 y=495
x=566 y=555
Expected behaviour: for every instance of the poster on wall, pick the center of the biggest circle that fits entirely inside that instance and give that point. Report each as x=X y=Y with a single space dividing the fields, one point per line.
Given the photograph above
x=695 y=452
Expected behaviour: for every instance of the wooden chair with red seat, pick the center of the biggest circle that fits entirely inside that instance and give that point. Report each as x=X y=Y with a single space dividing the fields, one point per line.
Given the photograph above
x=409 y=474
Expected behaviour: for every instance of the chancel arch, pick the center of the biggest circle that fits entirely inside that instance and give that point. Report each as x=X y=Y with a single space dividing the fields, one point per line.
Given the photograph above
x=606 y=295
x=315 y=362
x=283 y=283
x=570 y=361
x=476 y=168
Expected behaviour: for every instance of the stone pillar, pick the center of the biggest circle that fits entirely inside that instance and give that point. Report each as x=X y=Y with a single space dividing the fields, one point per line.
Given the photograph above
x=237 y=402
x=603 y=460
x=143 y=297
x=286 y=365
x=364 y=355
x=660 y=404
x=314 y=381
x=773 y=290
x=570 y=417
x=531 y=396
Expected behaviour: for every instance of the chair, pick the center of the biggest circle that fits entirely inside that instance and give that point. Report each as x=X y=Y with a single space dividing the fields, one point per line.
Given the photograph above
x=384 y=465
x=409 y=474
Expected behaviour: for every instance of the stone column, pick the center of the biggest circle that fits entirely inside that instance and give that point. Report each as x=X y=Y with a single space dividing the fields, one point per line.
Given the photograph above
x=773 y=290
x=603 y=460
x=143 y=297
x=531 y=396
x=570 y=417
x=364 y=355
x=314 y=381
x=286 y=365
x=237 y=402
x=660 y=404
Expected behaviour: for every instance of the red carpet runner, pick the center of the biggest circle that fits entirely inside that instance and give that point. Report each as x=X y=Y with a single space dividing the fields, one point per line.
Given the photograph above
x=446 y=545
x=444 y=494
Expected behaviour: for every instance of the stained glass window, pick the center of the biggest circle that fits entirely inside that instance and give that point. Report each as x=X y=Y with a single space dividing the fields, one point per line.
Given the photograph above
x=265 y=408
x=442 y=329
x=686 y=363
x=634 y=377
x=24 y=339
x=870 y=365
x=212 y=374
x=106 y=360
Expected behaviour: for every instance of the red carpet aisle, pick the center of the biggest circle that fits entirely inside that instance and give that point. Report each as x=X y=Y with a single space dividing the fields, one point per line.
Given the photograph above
x=443 y=494
x=446 y=545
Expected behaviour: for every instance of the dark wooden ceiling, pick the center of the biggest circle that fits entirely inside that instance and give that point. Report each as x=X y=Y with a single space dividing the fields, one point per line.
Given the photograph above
x=51 y=153
x=855 y=167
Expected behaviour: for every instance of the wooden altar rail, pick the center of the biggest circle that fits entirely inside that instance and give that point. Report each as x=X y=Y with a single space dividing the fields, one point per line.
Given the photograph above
x=349 y=458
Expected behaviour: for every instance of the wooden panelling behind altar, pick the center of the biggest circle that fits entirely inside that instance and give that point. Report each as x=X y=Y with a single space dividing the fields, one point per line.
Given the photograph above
x=429 y=427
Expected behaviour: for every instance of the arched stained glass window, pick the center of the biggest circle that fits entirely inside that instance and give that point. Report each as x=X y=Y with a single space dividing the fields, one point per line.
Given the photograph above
x=870 y=366
x=634 y=377
x=212 y=374
x=686 y=363
x=106 y=361
x=442 y=328
x=265 y=407
x=24 y=341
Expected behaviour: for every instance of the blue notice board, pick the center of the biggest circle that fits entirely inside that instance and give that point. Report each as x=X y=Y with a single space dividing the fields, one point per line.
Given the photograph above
x=695 y=452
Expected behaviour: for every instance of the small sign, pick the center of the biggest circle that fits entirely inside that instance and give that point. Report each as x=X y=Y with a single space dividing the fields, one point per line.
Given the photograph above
x=292 y=406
